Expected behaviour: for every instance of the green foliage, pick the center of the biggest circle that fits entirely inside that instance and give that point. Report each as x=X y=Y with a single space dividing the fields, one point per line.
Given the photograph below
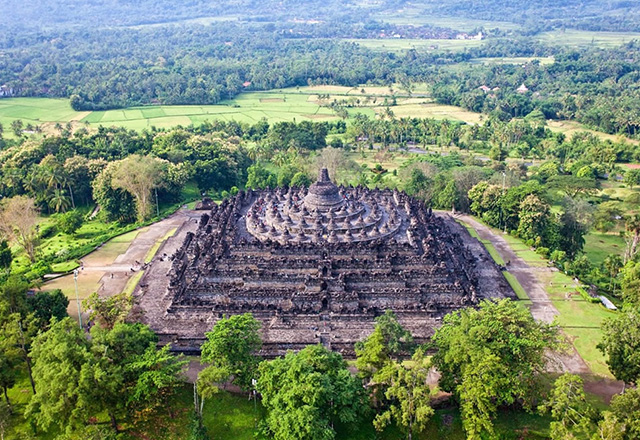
x=158 y=374
x=5 y=255
x=407 y=389
x=231 y=347
x=62 y=370
x=388 y=342
x=489 y=357
x=48 y=304
x=534 y=219
x=306 y=393
x=625 y=411
x=69 y=222
x=259 y=177
x=621 y=345
x=300 y=179
x=572 y=414
x=110 y=310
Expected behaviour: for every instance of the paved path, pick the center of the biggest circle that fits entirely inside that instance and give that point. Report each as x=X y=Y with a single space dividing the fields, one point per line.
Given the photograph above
x=542 y=307
x=108 y=273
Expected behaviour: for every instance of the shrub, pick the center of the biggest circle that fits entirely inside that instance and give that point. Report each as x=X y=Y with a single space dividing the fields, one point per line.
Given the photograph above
x=543 y=251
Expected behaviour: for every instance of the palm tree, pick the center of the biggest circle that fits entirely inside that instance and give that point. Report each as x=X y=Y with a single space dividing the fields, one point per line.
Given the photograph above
x=632 y=225
x=59 y=201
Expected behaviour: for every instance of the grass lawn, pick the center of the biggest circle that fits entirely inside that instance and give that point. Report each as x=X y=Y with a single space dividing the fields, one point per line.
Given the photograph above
x=599 y=245
x=516 y=286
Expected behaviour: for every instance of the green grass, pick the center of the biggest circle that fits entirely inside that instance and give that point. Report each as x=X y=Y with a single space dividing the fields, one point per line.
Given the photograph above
x=576 y=38
x=417 y=16
x=516 y=286
x=598 y=246
x=65 y=267
x=399 y=45
x=154 y=249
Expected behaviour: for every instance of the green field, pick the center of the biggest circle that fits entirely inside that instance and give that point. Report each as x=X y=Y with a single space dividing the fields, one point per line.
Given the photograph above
x=248 y=107
x=287 y=104
x=417 y=16
x=575 y=38
x=399 y=45
x=512 y=60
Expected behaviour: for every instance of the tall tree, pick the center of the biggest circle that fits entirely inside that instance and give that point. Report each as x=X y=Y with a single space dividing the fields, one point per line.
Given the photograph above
x=491 y=356
x=387 y=342
x=572 y=415
x=307 y=393
x=62 y=361
x=139 y=175
x=621 y=345
x=18 y=221
x=409 y=394
x=232 y=347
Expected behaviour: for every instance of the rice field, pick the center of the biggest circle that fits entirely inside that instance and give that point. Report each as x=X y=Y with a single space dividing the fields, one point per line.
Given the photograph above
x=399 y=45
x=576 y=38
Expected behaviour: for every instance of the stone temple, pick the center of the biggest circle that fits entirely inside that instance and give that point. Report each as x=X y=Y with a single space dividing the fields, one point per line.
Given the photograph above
x=316 y=265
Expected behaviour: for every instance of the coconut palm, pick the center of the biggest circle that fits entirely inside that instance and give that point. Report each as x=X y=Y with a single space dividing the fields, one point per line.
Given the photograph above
x=59 y=201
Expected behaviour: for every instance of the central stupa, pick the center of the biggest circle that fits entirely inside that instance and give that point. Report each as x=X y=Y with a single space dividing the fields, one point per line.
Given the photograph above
x=323 y=195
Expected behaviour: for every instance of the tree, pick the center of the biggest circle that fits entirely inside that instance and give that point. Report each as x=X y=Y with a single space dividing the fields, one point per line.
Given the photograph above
x=407 y=389
x=632 y=225
x=491 y=356
x=300 y=179
x=307 y=393
x=62 y=362
x=109 y=311
x=259 y=177
x=612 y=263
x=342 y=168
x=9 y=360
x=139 y=175
x=113 y=350
x=387 y=342
x=5 y=415
x=534 y=218
x=47 y=305
x=17 y=126
x=571 y=412
x=5 y=255
x=158 y=374
x=116 y=204
x=18 y=221
x=632 y=177
x=231 y=347
x=624 y=416
x=621 y=345
x=69 y=222
x=573 y=185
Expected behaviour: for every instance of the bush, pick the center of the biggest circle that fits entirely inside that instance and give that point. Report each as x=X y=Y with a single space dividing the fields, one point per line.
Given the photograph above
x=585 y=295
x=69 y=222
x=558 y=256
x=543 y=251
